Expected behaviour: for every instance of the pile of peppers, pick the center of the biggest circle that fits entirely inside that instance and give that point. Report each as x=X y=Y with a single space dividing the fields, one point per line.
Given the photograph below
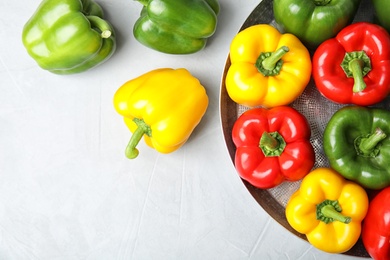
x=269 y=70
x=334 y=206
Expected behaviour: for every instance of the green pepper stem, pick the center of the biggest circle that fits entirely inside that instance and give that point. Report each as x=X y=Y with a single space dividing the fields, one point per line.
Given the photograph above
x=272 y=144
x=329 y=211
x=270 y=62
x=369 y=143
x=103 y=26
x=131 y=151
x=321 y=2
x=143 y=2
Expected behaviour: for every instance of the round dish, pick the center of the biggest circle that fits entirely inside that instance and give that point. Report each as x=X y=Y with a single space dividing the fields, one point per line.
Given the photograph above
x=311 y=103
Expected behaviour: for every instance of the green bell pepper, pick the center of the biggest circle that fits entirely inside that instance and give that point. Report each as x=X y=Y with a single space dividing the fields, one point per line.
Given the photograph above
x=357 y=144
x=382 y=11
x=314 y=21
x=176 y=26
x=68 y=36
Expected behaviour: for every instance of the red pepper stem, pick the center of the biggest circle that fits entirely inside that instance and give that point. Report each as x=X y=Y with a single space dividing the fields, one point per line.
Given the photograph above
x=131 y=150
x=272 y=144
x=369 y=143
x=270 y=62
x=103 y=26
x=356 y=68
x=356 y=65
x=268 y=141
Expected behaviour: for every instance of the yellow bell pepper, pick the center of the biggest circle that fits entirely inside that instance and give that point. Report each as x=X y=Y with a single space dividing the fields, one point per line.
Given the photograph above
x=163 y=106
x=267 y=68
x=329 y=210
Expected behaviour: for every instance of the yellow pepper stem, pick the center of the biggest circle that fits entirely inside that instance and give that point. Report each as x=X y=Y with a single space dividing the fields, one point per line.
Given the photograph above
x=270 y=63
x=131 y=150
x=329 y=211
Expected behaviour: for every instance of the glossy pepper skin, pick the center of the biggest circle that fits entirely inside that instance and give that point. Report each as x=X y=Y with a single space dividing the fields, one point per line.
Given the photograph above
x=357 y=144
x=382 y=11
x=314 y=21
x=164 y=106
x=176 y=26
x=272 y=146
x=376 y=226
x=329 y=210
x=68 y=36
x=354 y=67
x=267 y=68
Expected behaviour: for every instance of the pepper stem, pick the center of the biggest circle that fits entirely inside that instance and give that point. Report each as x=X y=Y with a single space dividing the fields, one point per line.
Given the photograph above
x=367 y=145
x=329 y=211
x=103 y=26
x=270 y=63
x=356 y=68
x=131 y=150
x=321 y=2
x=356 y=65
x=143 y=2
x=272 y=144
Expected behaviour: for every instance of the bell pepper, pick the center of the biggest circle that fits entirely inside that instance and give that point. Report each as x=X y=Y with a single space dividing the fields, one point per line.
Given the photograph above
x=382 y=10
x=176 y=26
x=376 y=226
x=314 y=21
x=164 y=106
x=357 y=143
x=354 y=67
x=272 y=146
x=68 y=36
x=267 y=68
x=328 y=210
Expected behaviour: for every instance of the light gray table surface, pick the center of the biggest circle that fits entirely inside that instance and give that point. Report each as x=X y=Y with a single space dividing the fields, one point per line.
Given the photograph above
x=68 y=192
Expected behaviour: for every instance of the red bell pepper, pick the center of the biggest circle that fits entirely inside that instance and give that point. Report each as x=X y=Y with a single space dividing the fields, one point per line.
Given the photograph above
x=376 y=226
x=354 y=67
x=272 y=146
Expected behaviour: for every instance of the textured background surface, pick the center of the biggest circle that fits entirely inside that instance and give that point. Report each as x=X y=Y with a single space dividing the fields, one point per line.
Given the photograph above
x=68 y=192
